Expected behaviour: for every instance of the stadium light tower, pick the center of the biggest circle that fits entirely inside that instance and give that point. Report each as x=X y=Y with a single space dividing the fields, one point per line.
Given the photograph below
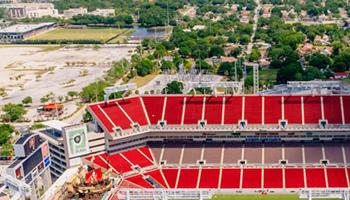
x=121 y=88
x=256 y=78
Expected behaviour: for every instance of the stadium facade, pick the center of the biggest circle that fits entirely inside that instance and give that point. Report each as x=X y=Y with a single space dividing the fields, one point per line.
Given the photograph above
x=182 y=146
x=168 y=146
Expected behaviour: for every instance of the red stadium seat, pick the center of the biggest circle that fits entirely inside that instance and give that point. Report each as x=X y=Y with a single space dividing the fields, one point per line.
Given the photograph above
x=230 y=178
x=138 y=180
x=116 y=115
x=251 y=178
x=133 y=107
x=194 y=109
x=294 y=178
x=98 y=161
x=97 y=111
x=346 y=105
x=253 y=109
x=209 y=178
x=273 y=178
x=292 y=109
x=147 y=152
x=273 y=109
x=154 y=107
x=188 y=178
x=117 y=162
x=337 y=178
x=213 y=110
x=157 y=176
x=332 y=109
x=315 y=178
x=171 y=176
x=137 y=158
x=312 y=109
x=173 y=110
x=233 y=110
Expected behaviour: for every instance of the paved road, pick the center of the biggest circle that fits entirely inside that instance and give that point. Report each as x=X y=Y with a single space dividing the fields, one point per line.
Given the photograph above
x=255 y=25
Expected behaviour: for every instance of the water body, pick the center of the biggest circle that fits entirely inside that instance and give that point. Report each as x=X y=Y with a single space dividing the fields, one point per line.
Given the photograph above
x=151 y=33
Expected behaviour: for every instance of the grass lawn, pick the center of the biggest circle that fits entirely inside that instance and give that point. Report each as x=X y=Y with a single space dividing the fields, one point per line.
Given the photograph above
x=99 y=34
x=123 y=36
x=141 y=81
x=346 y=80
x=268 y=74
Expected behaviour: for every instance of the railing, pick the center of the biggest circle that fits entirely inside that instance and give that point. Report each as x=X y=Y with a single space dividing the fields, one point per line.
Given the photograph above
x=232 y=129
x=144 y=194
x=324 y=193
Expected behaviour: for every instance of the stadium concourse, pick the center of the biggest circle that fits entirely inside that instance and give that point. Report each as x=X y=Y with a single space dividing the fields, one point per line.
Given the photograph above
x=252 y=144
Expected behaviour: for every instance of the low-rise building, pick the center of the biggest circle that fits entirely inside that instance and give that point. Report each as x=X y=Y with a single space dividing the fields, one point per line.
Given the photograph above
x=68 y=143
x=29 y=175
x=22 y=31
x=31 y=10
x=103 y=12
x=67 y=14
x=340 y=75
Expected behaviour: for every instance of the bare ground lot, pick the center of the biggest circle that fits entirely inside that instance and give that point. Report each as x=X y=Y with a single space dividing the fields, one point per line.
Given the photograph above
x=32 y=71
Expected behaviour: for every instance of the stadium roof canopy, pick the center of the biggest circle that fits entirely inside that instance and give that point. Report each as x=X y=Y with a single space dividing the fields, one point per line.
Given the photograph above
x=55 y=124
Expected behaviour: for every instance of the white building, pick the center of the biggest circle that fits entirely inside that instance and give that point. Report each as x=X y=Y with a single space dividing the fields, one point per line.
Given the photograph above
x=68 y=143
x=67 y=14
x=23 y=31
x=31 y=10
x=103 y=12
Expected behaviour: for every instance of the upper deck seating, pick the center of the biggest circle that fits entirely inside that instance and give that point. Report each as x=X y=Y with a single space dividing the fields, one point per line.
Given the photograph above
x=133 y=108
x=154 y=107
x=173 y=109
x=272 y=109
x=194 y=110
x=213 y=110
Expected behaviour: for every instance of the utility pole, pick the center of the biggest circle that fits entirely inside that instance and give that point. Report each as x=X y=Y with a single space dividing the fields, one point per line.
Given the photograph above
x=167 y=12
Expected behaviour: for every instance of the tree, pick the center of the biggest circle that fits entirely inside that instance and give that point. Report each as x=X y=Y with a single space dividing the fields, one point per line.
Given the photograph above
x=44 y=99
x=291 y=72
x=5 y=133
x=235 y=52
x=94 y=91
x=173 y=88
x=167 y=65
x=320 y=61
x=254 y=55
x=144 y=67
x=6 y=150
x=13 y=112
x=72 y=94
x=228 y=69
x=311 y=73
x=342 y=61
x=216 y=51
x=160 y=51
x=27 y=100
x=202 y=65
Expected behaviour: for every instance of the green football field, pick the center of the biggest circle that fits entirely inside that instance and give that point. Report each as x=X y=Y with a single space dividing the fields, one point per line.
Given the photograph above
x=98 y=34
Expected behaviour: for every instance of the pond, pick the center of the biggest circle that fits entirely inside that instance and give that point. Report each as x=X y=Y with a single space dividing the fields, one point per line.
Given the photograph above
x=152 y=33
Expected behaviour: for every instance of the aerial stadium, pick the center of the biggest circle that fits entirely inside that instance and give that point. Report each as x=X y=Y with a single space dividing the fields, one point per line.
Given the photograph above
x=197 y=146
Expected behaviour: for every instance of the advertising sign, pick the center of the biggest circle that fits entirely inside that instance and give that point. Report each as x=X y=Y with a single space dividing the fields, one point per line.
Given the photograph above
x=77 y=141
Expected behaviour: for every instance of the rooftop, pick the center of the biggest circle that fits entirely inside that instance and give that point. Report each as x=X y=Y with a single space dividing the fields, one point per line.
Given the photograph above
x=23 y=28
